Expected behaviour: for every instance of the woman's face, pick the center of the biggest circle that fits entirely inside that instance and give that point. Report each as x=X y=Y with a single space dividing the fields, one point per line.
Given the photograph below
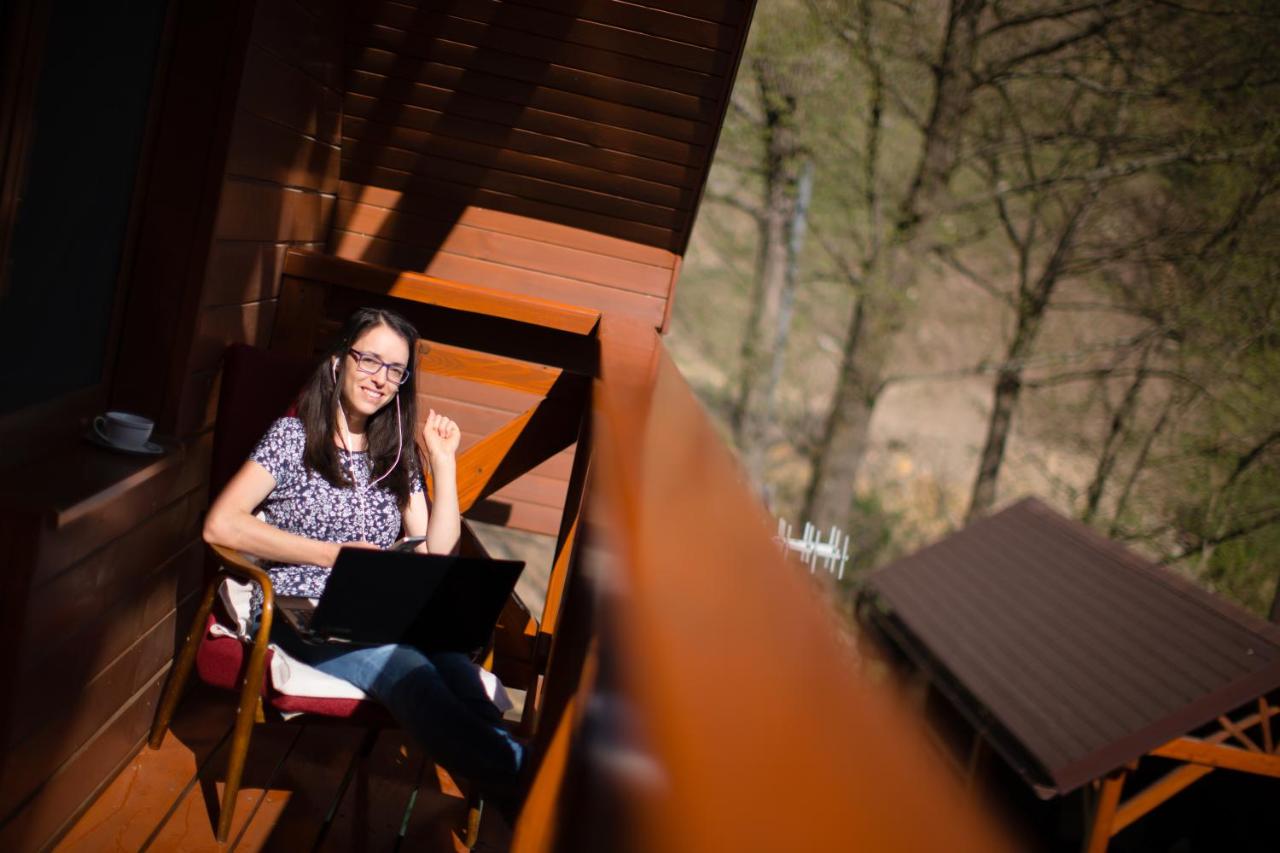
x=366 y=393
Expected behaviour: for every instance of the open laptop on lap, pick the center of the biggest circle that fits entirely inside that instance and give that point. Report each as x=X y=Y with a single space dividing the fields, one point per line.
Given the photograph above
x=434 y=602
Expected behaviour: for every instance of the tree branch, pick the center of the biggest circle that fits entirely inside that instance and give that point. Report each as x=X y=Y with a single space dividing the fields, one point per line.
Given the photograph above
x=736 y=203
x=1107 y=373
x=1048 y=48
x=1250 y=457
x=1104 y=174
x=1237 y=532
x=1036 y=17
x=948 y=257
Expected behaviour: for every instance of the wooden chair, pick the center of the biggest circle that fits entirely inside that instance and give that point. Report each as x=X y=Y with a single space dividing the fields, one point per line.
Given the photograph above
x=257 y=386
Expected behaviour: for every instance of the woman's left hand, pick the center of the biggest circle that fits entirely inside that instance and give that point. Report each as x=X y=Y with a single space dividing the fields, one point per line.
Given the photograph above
x=440 y=435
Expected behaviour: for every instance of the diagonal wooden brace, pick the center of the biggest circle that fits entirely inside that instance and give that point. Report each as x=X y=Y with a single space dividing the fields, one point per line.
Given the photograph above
x=527 y=441
x=1209 y=754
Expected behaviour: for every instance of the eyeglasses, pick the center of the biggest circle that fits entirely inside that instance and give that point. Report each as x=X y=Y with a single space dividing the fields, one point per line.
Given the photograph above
x=367 y=362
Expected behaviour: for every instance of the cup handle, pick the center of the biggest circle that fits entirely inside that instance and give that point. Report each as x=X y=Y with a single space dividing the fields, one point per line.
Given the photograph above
x=97 y=427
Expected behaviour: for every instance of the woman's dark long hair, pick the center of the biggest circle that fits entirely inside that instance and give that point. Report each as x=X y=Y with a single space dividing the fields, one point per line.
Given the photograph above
x=318 y=411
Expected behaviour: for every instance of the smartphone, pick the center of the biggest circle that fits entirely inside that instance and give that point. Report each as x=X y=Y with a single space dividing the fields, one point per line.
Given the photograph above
x=408 y=543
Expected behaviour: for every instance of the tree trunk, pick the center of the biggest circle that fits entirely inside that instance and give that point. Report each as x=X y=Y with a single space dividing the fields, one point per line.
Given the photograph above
x=766 y=412
x=750 y=418
x=1139 y=463
x=1120 y=424
x=1033 y=304
x=880 y=309
x=1008 y=389
x=843 y=443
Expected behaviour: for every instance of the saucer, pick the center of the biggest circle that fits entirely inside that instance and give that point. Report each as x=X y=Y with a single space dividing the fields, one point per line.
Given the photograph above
x=148 y=448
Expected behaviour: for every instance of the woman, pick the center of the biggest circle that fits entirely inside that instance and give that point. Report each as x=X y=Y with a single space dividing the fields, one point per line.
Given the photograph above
x=339 y=475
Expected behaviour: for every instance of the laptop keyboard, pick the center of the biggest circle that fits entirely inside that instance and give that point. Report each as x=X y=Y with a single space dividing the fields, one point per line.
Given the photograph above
x=299 y=616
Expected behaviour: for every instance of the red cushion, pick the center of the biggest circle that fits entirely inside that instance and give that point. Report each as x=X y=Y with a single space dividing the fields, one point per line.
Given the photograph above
x=222 y=661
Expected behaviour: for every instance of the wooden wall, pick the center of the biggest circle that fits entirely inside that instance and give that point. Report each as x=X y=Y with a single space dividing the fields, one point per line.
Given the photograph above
x=543 y=148
x=96 y=589
x=102 y=552
x=279 y=187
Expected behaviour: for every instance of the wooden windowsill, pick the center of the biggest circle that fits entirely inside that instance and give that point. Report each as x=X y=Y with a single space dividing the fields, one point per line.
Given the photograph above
x=76 y=479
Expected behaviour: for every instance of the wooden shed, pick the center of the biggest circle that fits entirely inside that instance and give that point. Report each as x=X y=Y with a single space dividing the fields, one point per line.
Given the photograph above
x=1074 y=659
x=521 y=177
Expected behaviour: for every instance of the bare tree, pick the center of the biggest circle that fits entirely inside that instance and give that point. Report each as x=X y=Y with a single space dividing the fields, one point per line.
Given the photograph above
x=886 y=268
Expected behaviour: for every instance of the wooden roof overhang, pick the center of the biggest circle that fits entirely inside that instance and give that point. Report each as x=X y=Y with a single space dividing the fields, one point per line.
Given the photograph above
x=1074 y=657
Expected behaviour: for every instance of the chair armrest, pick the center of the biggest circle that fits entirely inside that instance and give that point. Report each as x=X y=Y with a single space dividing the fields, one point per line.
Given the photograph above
x=236 y=563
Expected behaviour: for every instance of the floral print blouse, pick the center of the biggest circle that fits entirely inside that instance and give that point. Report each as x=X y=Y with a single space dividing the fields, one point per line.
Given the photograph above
x=303 y=502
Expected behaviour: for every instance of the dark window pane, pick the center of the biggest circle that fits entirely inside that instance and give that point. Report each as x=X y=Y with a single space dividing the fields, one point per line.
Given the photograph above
x=86 y=136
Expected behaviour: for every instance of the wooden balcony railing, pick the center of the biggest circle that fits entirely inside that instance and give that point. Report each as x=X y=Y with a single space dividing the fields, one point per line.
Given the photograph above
x=717 y=705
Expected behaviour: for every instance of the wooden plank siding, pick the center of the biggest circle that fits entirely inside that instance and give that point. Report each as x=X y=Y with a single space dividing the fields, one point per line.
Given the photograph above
x=484 y=392
x=102 y=552
x=279 y=186
x=97 y=589
x=536 y=149
x=532 y=147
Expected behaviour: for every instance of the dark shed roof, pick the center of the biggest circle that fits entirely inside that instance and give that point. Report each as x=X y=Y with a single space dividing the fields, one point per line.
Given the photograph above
x=1074 y=654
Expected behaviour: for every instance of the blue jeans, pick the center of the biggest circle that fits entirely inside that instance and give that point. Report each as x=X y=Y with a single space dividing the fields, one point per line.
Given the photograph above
x=438 y=698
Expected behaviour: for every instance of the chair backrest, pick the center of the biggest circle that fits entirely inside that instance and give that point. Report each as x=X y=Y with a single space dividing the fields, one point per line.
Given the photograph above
x=258 y=386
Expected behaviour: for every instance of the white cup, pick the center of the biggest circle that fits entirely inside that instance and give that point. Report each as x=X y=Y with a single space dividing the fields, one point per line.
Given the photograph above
x=123 y=429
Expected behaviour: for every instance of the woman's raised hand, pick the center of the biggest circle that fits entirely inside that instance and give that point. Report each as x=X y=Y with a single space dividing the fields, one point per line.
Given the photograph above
x=440 y=435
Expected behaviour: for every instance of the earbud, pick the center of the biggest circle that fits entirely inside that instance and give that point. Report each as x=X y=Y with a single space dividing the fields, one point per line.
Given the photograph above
x=334 y=364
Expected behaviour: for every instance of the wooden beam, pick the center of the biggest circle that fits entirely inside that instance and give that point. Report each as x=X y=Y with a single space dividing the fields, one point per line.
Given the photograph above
x=565 y=551
x=1156 y=793
x=527 y=441
x=1212 y=754
x=437 y=291
x=1237 y=733
x=471 y=328
x=447 y=360
x=297 y=317
x=1264 y=713
x=1177 y=780
x=1105 y=812
x=567 y=537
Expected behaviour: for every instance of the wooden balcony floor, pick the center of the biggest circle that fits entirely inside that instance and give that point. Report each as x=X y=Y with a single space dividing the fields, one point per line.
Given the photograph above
x=306 y=787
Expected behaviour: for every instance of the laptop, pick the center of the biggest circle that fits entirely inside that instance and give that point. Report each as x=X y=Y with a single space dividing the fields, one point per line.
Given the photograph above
x=431 y=601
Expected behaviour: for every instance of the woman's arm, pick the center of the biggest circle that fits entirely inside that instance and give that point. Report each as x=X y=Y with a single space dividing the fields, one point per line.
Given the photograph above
x=441 y=436
x=444 y=527
x=415 y=517
x=231 y=523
